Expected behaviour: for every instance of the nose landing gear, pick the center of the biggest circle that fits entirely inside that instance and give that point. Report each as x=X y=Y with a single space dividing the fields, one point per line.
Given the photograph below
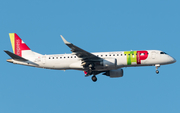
x=157 y=71
x=157 y=66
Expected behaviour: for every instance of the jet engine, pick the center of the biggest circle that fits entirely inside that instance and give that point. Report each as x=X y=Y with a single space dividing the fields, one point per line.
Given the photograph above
x=114 y=73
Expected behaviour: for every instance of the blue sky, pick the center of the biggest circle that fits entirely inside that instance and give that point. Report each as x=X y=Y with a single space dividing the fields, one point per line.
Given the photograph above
x=96 y=25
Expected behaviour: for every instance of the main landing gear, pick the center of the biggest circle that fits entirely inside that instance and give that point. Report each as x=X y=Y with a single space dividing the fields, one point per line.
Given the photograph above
x=157 y=66
x=91 y=68
x=90 y=72
x=94 y=78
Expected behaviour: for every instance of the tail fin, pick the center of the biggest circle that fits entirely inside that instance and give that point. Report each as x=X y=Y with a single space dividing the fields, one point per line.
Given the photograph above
x=20 y=48
x=18 y=45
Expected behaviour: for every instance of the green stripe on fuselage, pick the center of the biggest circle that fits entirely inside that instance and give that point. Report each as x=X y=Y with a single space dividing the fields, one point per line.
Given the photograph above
x=131 y=57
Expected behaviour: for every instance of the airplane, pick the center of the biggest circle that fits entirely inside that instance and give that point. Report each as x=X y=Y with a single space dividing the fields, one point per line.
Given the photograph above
x=107 y=63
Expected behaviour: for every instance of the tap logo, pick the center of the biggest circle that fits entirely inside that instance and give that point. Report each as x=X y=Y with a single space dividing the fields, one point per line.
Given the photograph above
x=135 y=57
x=18 y=47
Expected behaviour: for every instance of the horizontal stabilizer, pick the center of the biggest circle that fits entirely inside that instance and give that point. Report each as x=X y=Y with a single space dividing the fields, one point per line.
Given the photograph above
x=14 y=56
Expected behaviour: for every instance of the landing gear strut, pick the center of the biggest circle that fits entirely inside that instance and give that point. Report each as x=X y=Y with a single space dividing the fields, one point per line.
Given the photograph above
x=92 y=72
x=94 y=78
x=91 y=68
x=157 y=66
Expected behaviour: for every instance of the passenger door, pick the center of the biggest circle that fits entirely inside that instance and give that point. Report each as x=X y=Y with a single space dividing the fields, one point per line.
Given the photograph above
x=43 y=59
x=153 y=54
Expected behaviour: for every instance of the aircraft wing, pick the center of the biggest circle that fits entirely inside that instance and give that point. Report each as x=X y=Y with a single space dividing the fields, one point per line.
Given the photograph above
x=80 y=52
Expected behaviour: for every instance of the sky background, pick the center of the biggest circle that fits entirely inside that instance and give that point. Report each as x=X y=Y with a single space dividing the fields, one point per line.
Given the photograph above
x=95 y=26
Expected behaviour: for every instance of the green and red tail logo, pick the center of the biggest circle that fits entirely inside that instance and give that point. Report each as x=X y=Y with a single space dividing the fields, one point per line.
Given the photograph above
x=17 y=44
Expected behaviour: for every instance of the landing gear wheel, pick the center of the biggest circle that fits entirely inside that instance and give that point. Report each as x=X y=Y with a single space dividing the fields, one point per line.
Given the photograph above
x=157 y=71
x=94 y=78
x=157 y=66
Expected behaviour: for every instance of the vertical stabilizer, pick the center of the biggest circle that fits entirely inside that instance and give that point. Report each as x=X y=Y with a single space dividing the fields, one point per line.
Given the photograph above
x=18 y=45
x=20 y=48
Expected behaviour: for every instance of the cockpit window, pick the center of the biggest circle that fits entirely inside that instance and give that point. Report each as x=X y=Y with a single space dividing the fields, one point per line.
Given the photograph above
x=163 y=53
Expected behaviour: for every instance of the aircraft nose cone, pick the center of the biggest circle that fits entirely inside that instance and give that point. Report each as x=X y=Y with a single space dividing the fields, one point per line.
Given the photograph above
x=173 y=60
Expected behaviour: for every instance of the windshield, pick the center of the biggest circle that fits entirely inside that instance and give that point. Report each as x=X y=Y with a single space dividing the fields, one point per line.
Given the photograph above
x=163 y=53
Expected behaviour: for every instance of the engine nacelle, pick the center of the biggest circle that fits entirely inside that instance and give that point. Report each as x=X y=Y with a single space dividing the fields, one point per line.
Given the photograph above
x=114 y=73
x=109 y=62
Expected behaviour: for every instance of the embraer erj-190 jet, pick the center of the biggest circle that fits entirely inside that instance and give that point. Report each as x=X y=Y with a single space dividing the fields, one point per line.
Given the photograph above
x=108 y=63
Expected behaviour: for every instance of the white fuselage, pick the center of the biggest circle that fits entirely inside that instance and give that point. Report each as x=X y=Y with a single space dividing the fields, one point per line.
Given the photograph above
x=70 y=61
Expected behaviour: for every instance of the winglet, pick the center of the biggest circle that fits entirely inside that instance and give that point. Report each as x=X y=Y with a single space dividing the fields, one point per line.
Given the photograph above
x=64 y=40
